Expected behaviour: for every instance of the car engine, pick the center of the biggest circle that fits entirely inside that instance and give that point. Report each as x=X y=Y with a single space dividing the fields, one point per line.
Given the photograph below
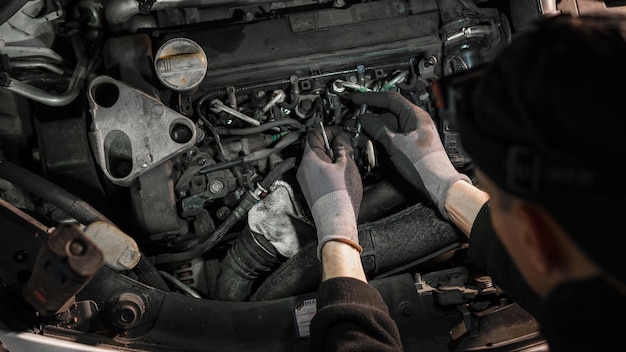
x=156 y=142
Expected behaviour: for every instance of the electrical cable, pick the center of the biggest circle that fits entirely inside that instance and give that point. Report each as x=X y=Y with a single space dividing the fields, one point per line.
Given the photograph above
x=179 y=284
x=220 y=148
x=251 y=198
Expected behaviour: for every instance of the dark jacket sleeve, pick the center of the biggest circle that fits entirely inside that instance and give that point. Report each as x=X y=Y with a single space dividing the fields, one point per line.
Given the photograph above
x=352 y=316
x=488 y=253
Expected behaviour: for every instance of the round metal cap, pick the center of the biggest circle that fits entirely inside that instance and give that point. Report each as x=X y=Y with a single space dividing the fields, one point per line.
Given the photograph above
x=180 y=64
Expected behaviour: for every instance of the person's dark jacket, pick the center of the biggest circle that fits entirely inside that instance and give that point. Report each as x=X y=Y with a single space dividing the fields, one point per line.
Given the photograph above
x=352 y=316
x=577 y=316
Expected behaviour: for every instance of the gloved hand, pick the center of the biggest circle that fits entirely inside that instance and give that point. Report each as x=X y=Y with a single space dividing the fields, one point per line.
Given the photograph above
x=332 y=188
x=410 y=136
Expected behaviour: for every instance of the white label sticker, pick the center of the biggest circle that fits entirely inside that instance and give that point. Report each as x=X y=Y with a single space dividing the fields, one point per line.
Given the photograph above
x=303 y=313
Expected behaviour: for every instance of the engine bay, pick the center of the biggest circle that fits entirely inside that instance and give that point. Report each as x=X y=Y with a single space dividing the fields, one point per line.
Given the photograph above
x=167 y=133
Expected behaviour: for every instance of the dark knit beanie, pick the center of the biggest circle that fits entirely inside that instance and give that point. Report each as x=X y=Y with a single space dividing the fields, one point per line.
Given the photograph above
x=548 y=124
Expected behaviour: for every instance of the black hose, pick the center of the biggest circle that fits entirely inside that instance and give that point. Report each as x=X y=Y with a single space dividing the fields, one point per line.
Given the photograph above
x=246 y=203
x=294 y=93
x=220 y=148
x=204 y=98
x=277 y=171
x=380 y=200
x=280 y=145
x=50 y=192
x=74 y=207
x=295 y=98
x=254 y=156
x=394 y=243
x=147 y=273
x=261 y=128
x=250 y=256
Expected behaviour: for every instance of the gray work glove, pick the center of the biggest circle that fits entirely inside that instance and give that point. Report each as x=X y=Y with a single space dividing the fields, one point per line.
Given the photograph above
x=410 y=136
x=332 y=188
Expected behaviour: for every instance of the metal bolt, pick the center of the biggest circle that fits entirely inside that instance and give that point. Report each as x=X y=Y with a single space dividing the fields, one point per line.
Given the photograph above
x=430 y=61
x=405 y=309
x=337 y=87
x=305 y=106
x=143 y=162
x=78 y=247
x=157 y=111
x=484 y=282
x=127 y=310
x=127 y=315
x=181 y=134
x=277 y=5
x=278 y=97
x=216 y=186
x=232 y=97
x=201 y=161
x=20 y=256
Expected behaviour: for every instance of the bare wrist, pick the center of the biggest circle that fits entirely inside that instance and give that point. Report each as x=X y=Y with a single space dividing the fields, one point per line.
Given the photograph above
x=463 y=202
x=340 y=259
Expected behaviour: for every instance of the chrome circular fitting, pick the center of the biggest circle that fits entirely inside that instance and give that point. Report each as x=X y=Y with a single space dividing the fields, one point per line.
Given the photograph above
x=180 y=64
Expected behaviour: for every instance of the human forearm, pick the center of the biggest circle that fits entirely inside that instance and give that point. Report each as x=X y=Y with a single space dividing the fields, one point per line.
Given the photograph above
x=340 y=259
x=463 y=202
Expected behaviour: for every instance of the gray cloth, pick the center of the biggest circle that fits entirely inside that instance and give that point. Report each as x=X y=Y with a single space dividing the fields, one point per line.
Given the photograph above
x=410 y=136
x=273 y=217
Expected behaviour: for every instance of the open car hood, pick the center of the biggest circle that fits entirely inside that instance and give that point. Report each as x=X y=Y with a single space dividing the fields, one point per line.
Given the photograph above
x=137 y=138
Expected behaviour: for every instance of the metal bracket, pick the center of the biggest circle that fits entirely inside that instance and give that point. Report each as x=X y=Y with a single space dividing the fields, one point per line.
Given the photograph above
x=133 y=132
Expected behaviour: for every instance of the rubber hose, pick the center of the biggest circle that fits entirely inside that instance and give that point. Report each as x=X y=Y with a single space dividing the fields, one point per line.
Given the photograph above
x=254 y=156
x=257 y=129
x=295 y=98
x=247 y=258
x=277 y=171
x=396 y=242
x=74 y=207
x=50 y=192
x=282 y=144
x=147 y=273
x=380 y=200
x=248 y=200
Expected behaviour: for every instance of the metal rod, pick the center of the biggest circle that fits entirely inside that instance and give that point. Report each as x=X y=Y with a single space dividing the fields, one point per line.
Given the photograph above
x=217 y=106
x=326 y=142
x=17 y=211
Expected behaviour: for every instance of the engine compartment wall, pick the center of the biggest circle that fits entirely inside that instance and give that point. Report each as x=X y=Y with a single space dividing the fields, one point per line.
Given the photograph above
x=307 y=44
